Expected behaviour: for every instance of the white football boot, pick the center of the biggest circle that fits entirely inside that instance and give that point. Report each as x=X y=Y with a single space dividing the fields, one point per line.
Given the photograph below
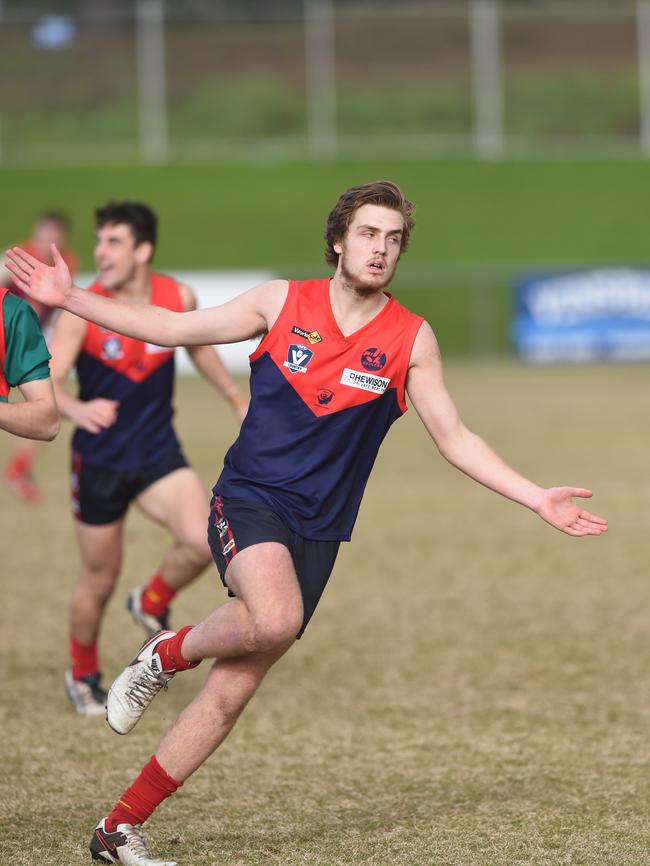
x=127 y=845
x=137 y=686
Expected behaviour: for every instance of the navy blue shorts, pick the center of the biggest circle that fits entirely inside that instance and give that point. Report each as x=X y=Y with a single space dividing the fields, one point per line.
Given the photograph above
x=102 y=495
x=237 y=523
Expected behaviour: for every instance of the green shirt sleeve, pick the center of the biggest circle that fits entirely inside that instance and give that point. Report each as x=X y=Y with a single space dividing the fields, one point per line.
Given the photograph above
x=27 y=357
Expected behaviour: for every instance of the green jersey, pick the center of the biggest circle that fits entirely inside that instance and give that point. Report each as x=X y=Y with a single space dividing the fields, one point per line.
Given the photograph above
x=24 y=356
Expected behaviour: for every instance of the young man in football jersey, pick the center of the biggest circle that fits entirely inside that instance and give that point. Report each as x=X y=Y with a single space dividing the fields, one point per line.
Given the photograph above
x=124 y=447
x=50 y=227
x=330 y=376
x=24 y=364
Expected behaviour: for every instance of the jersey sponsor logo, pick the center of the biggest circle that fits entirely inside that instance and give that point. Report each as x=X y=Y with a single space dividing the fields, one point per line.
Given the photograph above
x=112 y=349
x=357 y=379
x=324 y=396
x=373 y=359
x=298 y=357
x=312 y=336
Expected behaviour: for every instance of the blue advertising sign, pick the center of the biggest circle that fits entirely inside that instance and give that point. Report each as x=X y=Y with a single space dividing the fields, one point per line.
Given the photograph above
x=586 y=315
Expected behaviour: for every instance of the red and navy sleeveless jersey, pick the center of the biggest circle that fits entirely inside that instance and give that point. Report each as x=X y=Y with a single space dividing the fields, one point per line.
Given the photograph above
x=4 y=385
x=321 y=404
x=141 y=377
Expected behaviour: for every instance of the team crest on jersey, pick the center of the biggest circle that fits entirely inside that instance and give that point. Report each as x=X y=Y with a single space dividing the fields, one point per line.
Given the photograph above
x=298 y=357
x=373 y=359
x=324 y=396
x=312 y=336
x=112 y=348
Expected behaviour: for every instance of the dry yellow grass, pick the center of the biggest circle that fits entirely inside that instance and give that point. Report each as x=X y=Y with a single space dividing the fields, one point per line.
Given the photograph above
x=471 y=691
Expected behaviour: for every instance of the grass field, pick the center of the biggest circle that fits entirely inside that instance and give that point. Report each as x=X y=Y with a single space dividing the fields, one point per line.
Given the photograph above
x=478 y=225
x=471 y=692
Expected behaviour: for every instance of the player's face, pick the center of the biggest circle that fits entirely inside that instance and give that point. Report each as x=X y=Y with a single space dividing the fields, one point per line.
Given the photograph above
x=117 y=257
x=49 y=232
x=369 y=252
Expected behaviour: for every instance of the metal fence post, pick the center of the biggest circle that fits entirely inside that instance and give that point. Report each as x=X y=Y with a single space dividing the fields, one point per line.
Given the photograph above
x=643 y=41
x=152 y=89
x=320 y=77
x=485 y=42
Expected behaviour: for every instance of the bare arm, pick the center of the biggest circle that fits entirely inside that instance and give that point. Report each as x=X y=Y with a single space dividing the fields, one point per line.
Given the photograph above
x=65 y=345
x=249 y=314
x=37 y=416
x=473 y=456
x=208 y=363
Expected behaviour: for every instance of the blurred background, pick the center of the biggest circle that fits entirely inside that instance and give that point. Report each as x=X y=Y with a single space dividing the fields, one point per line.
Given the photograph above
x=520 y=128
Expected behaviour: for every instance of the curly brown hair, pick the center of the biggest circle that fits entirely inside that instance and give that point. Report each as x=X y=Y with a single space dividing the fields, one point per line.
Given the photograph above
x=380 y=192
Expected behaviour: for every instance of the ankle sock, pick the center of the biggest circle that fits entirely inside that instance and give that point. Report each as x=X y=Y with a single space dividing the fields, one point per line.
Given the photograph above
x=83 y=659
x=157 y=596
x=137 y=803
x=170 y=652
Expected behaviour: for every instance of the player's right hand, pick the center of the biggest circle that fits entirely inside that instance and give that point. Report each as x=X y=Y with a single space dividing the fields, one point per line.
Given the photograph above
x=43 y=283
x=96 y=415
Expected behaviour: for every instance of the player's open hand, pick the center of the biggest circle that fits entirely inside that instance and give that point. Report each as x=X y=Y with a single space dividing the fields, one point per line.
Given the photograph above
x=43 y=283
x=558 y=509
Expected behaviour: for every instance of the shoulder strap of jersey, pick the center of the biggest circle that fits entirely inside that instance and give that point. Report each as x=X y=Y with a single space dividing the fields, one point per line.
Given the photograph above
x=166 y=292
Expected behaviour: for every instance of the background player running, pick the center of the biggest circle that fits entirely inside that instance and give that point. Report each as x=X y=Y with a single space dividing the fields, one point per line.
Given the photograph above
x=327 y=381
x=124 y=447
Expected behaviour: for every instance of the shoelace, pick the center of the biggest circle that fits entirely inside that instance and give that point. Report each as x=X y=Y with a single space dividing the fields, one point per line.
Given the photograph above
x=137 y=842
x=146 y=687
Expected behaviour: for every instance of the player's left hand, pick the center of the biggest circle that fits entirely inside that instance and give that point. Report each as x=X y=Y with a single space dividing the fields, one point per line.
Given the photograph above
x=40 y=282
x=558 y=509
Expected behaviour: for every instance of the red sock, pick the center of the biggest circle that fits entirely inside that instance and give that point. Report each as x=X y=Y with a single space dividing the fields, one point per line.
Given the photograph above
x=157 y=596
x=83 y=659
x=170 y=652
x=19 y=464
x=137 y=803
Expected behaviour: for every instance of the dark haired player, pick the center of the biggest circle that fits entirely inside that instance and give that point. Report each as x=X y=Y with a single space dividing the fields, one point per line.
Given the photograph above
x=124 y=447
x=328 y=379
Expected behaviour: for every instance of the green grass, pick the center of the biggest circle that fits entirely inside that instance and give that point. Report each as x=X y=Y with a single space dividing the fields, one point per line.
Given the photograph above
x=472 y=689
x=477 y=224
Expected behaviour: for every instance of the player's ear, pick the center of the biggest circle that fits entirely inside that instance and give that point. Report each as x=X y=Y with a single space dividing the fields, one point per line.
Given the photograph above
x=338 y=249
x=144 y=252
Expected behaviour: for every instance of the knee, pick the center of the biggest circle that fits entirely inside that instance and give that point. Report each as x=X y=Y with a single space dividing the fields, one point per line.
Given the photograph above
x=197 y=549
x=99 y=580
x=276 y=630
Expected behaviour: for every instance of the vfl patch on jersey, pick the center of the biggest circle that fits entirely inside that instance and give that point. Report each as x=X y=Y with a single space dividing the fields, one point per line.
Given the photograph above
x=373 y=359
x=356 y=379
x=298 y=357
x=312 y=336
x=112 y=349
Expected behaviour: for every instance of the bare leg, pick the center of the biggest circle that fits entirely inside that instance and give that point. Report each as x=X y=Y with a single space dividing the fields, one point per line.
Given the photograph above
x=207 y=721
x=180 y=503
x=266 y=613
x=101 y=559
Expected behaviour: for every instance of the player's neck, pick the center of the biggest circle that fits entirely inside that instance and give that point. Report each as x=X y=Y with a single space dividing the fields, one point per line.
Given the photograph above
x=353 y=307
x=137 y=289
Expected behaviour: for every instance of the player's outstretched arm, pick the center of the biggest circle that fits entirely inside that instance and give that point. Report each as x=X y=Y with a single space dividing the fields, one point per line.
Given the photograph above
x=473 y=456
x=239 y=319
